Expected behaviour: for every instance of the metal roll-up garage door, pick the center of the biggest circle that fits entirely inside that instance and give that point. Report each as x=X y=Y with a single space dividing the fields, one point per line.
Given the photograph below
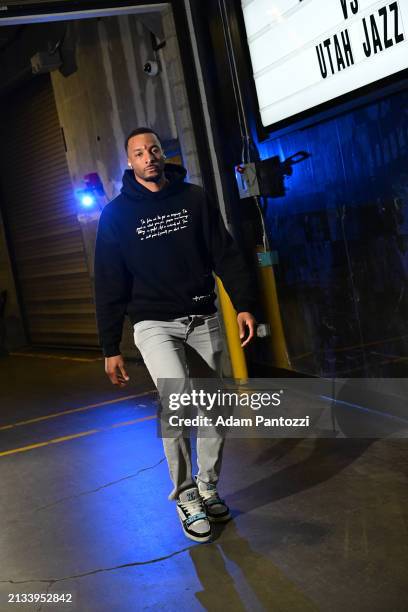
x=40 y=211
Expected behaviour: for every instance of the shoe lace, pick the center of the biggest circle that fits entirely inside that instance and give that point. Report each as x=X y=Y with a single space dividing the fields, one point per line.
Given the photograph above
x=208 y=494
x=194 y=506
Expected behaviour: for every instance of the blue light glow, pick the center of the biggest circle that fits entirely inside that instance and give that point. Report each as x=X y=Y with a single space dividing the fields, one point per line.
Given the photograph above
x=87 y=200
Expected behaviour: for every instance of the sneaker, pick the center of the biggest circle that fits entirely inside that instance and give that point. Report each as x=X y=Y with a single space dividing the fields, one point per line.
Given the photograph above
x=192 y=516
x=216 y=508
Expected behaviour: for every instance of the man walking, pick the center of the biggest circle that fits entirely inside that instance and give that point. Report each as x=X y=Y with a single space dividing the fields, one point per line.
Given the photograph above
x=157 y=246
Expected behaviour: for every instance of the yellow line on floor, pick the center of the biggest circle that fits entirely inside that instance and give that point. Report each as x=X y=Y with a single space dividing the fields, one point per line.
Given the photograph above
x=133 y=421
x=71 y=411
x=90 y=432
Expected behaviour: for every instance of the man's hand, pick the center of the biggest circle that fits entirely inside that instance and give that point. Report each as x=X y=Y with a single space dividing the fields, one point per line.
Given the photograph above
x=246 y=320
x=115 y=369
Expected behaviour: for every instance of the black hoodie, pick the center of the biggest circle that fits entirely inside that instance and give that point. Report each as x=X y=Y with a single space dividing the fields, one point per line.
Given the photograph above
x=155 y=254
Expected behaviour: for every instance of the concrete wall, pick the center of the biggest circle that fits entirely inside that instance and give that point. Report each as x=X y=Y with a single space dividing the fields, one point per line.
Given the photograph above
x=108 y=96
x=173 y=66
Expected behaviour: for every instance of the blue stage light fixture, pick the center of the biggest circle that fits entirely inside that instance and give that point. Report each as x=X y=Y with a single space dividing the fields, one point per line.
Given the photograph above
x=87 y=200
x=92 y=194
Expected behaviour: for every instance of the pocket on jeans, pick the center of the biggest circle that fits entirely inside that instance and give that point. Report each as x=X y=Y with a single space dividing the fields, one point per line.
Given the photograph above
x=213 y=329
x=212 y=322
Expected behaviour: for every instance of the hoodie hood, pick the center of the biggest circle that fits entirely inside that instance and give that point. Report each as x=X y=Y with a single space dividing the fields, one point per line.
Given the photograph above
x=134 y=190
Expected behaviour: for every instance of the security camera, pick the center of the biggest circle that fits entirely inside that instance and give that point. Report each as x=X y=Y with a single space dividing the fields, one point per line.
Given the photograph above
x=151 y=68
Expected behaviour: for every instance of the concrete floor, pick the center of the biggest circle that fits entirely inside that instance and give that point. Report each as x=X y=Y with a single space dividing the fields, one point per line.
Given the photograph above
x=318 y=524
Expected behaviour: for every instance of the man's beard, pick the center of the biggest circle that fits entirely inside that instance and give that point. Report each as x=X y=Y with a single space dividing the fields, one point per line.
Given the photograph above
x=153 y=179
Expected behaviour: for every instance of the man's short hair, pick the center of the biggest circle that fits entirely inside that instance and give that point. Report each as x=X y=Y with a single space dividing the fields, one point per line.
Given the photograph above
x=140 y=130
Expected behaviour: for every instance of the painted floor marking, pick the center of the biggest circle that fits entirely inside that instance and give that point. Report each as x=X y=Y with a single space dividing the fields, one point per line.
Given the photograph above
x=73 y=410
x=90 y=432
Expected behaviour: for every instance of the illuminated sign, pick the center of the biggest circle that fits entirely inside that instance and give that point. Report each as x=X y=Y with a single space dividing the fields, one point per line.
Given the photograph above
x=307 y=52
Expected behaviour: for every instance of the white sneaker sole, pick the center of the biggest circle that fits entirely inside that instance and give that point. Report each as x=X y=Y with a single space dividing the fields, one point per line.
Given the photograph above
x=203 y=540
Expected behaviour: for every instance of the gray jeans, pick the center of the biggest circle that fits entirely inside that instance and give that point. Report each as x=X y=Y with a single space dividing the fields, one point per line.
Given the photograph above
x=185 y=348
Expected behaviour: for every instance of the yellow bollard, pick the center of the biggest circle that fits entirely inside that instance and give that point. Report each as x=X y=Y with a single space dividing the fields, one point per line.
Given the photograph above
x=270 y=301
x=237 y=355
